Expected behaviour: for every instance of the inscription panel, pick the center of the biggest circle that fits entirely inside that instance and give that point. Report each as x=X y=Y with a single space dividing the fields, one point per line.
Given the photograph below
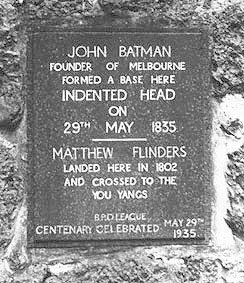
x=119 y=137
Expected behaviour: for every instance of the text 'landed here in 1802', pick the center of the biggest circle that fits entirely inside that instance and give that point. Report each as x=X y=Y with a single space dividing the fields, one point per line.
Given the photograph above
x=119 y=130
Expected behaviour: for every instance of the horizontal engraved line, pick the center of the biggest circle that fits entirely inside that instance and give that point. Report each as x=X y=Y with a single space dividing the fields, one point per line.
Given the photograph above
x=121 y=139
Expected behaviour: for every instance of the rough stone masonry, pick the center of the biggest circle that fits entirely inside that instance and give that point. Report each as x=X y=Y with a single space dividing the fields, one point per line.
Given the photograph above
x=223 y=260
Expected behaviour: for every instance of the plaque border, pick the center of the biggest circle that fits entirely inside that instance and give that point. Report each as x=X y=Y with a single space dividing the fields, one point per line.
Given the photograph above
x=208 y=196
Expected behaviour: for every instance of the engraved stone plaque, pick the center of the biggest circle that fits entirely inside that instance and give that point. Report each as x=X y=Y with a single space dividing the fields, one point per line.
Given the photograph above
x=119 y=132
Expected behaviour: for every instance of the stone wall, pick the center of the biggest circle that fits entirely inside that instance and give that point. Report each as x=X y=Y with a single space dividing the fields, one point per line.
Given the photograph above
x=222 y=261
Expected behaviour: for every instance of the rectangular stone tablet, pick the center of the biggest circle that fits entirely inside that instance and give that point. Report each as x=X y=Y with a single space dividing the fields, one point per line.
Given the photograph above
x=119 y=133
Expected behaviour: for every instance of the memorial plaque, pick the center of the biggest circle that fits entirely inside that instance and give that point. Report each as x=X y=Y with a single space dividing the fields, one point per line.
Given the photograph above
x=119 y=132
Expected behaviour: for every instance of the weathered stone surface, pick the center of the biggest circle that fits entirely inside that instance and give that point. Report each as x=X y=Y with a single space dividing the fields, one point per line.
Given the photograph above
x=53 y=279
x=235 y=177
x=11 y=103
x=120 y=7
x=11 y=192
x=233 y=128
x=129 y=266
x=225 y=20
x=40 y=9
x=16 y=257
x=228 y=60
x=11 y=111
x=198 y=270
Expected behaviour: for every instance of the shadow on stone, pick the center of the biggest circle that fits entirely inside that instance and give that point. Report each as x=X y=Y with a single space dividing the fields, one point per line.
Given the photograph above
x=11 y=112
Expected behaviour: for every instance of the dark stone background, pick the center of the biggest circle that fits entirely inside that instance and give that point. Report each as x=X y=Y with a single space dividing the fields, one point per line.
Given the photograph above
x=215 y=263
